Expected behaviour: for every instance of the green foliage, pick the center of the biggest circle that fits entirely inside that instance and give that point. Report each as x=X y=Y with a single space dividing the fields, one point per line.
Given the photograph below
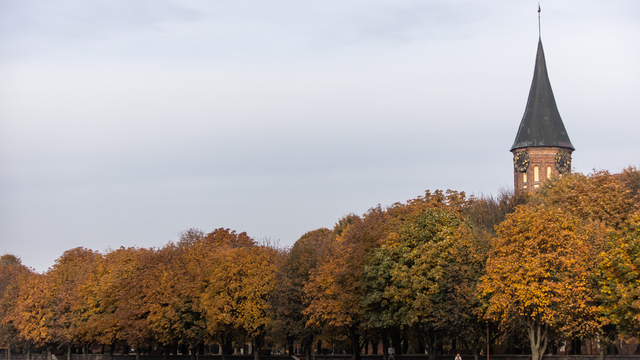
x=427 y=279
x=619 y=272
x=288 y=301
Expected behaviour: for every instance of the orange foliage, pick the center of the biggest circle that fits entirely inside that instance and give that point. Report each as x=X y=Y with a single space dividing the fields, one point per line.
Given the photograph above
x=539 y=274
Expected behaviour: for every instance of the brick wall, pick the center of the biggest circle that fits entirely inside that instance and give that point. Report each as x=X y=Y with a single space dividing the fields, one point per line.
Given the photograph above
x=543 y=158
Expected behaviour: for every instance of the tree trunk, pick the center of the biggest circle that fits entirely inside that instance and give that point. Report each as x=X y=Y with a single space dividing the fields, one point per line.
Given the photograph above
x=396 y=342
x=385 y=346
x=28 y=351
x=137 y=352
x=476 y=348
x=226 y=348
x=431 y=341
x=257 y=345
x=8 y=351
x=68 y=351
x=432 y=353
x=602 y=347
x=538 y=339
x=290 y=340
x=355 y=343
x=577 y=345
x=307 y=352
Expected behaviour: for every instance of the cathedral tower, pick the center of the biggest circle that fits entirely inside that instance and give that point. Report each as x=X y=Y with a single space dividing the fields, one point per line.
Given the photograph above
x=542 y=148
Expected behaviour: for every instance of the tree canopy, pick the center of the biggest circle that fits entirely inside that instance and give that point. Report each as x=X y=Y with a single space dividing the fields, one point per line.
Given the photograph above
x=435 y=273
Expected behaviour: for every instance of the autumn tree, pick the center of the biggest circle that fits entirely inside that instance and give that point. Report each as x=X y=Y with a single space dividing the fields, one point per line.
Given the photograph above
x=12 y=274
x=134 y=269
x=619 y=272
x=599 y=196
x=538 y=275
x=600 y=200
x=239 y=276
x=486 y=212
x=174 y=292
x=334 y=287
x=453 y=201
x=33 y=314
x=630 y=178
x=288 y=299
x=49 y=307
x=64 y=283
x=115 y=300
x=425 y=281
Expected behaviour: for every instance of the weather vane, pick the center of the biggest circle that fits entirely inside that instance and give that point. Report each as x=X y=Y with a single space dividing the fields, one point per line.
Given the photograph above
x=539 y=32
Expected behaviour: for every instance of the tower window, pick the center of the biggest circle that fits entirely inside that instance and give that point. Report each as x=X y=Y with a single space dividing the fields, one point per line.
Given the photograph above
x=524 y=178
x=536 y=174
x=548 y=172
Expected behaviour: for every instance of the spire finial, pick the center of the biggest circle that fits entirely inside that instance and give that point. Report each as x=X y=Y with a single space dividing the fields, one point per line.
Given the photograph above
x=539 y=32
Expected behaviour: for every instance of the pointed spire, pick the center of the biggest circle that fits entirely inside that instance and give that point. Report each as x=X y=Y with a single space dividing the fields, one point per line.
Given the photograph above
x=541 y=123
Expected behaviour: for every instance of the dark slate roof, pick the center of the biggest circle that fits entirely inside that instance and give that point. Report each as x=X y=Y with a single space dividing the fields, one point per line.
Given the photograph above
x=541 y=123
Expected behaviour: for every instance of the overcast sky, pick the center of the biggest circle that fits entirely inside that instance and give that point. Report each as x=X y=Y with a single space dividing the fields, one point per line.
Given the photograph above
x=124 y=122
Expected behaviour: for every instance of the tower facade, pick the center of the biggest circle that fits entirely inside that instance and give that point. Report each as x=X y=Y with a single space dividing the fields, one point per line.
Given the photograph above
x=542 y=148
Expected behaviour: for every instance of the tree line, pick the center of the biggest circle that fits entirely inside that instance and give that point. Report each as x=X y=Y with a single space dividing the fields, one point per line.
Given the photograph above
x=441 y=271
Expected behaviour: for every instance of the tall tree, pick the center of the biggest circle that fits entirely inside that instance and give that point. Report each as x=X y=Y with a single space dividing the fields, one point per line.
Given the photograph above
x=599 y=201
x=33 y=314
x=426 y=281
x=538 y=275
x=619 y=271
x=288 y=299
x=239 y=277
x=334 y=287
x=117 y=311
x=65 y=280
x=12 y=274
x=175 y=286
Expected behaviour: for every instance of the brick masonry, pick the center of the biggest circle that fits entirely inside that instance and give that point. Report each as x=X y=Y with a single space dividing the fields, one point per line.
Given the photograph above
x=541 y=157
